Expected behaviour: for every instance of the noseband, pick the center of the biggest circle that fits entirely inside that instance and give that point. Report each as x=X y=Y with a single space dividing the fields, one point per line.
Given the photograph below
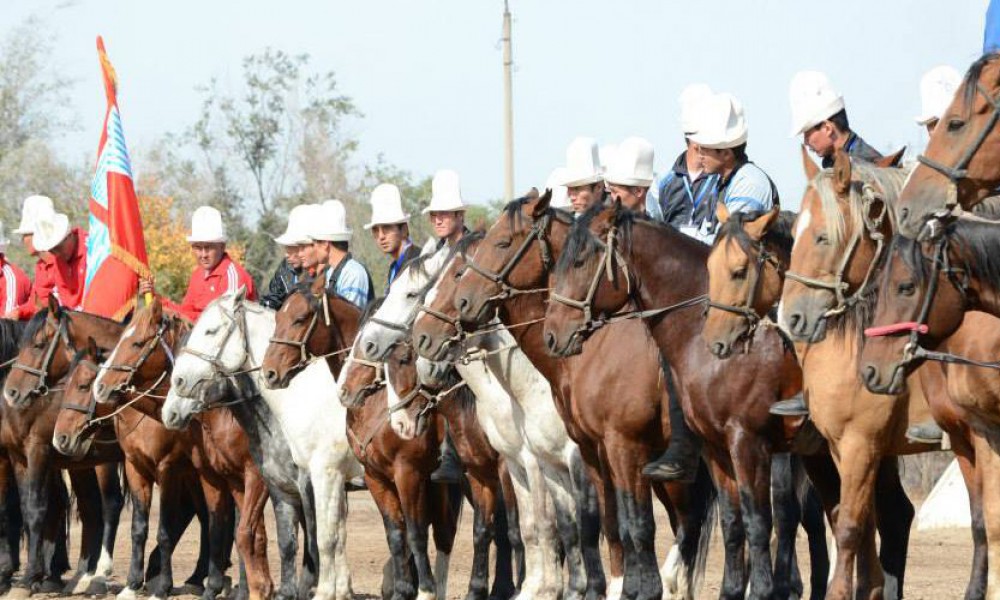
x=42 y=388
x=237 y=321
x=839 y=286
x=131 y=370
x=746 y=309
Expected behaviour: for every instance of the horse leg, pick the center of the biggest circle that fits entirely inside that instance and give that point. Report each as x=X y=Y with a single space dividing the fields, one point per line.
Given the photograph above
x=55 y=538
x=391 y=509
x=414 y=498
x=513 y=533
x=595 y=469
x=751 y=457
x=858 y=466
x=251 y=538
x=10 y=524
x=545 y=525
x=988 y=464
x=814 y=524
x=445 y=511
x=112 y=502
x=534 y=569
x=971 y=469
x=484 y=504
x=559 y=486
x=88 y=501
x=635 y=517
x=733 y=534
x=220 y=526
x=288 y=544
x=588 y=518
x=34 y=482
x=331 y=531
x=310 y=545
x=691 y=508
x=141 y=490
x=893 y=517
x=787 y=515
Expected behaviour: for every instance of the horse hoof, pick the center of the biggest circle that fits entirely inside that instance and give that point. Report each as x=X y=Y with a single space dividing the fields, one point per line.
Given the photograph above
x=98 y=586
x=17 y=593
x=422 y=595
x=191 y=589
x=48 y=586
x=127 y=593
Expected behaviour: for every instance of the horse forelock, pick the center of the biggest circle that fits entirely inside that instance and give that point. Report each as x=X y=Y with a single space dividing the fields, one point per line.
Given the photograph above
x=972 y=77
x=977 y=244
x=887 y=181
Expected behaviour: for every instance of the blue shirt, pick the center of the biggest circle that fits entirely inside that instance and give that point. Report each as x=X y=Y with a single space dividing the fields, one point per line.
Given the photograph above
x=352 y=283
x=749 y=189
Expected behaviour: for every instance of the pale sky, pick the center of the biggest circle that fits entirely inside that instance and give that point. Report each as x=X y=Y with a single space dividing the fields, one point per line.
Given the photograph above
x=427 y=75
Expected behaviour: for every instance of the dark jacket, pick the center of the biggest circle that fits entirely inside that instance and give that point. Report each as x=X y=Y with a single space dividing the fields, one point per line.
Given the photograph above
x=281 y=286
x=685 y=202
x=856 y=147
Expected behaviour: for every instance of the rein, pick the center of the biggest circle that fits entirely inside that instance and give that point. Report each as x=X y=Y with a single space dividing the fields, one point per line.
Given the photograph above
x=130 y=370
x=838 y=286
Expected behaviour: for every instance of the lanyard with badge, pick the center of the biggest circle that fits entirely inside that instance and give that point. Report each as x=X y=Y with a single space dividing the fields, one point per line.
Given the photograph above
x=703 y=231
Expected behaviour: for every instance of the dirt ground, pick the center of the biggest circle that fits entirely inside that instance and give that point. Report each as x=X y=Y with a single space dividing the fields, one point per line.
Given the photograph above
x=939 y=561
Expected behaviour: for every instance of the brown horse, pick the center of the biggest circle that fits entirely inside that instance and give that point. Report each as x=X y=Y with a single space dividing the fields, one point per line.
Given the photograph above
x=25 y=435
x=142 y=359
x=300 y=334
x=153 y=454
x=740 y=299
x=618 y=423
x=961 y=165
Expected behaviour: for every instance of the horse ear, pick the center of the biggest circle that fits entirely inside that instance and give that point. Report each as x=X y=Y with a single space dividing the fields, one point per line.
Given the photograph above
x=319 y=283
x=721 y=212
x=92 y=348
x=156 y=308
x=532 y=193
x=241 y=295
x=841 y=173
x=542 y=205
x=759 y=226
x=53 y=305
x=810 y=166
x=891 y=160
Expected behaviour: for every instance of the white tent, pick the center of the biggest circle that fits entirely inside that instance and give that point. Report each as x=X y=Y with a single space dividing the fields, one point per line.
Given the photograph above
x=948 y=503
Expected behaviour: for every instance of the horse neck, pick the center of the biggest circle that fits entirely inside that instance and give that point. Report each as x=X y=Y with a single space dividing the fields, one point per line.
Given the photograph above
x=984 y=286
x=259 y=328
x=83 y=325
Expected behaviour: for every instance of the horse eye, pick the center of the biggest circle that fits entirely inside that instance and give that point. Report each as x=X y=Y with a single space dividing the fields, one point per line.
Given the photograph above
x=299 y=320
x=504 y=243
x=906 y=288
x=955 y=124
x=823 y=239
x=212 y=331
x=411 y=295
x=740 y=273
x=138 y=344
x=83 y=387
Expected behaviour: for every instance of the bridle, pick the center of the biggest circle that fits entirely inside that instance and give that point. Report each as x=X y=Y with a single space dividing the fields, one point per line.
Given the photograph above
x=960 y=171
x=90 y=409
x=838 y=286
x=610 y=255
x=42 y=387
x=302 y=345
x=746 y=310
x=237 y=320
x=130 y=370
x=539 y=233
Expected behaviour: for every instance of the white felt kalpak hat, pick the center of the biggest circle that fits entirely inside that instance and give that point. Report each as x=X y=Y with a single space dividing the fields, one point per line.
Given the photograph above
x=50 y=229
x=446 y=193
x=690 y=100
x=937 y=89
x=387 y=206
x=583 y=163
x=207 y=226
x=560 y=195
x=329 y=222
x=813 y=100
x=632 y=163
x=33 y=207
x=297 y=231
x=721 y=123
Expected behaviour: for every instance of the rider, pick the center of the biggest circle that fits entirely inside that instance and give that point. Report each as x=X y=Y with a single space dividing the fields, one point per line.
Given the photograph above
x=820 y=117
x=686 y=195
x=560 y=195
x=629 y=174
x=41 y=287
x=290 y=270
x=216 y=273
x=330 y=255
x=67 y=250
x=585 y=179
x=721 y=136
x=391 y=230
x=15 y=287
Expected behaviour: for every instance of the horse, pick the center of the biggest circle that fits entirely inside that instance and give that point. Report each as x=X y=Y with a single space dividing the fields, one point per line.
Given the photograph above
x=300 y=335
x=307 y=412
x=921 y=319
x=26 y=423
x=152 y=455
x=828 y=295
x=746 y=267
x=515 y=400
x=961 y=165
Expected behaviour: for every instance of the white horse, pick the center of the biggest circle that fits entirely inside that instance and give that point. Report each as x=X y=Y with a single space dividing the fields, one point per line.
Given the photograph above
x=231 y=336
x=516 y=411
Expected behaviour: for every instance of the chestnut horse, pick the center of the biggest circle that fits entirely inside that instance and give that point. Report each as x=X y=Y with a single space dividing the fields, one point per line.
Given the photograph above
x=961 y=164
x=152 y=455
x=26 y=435
x=300 y=335
x=746 y=267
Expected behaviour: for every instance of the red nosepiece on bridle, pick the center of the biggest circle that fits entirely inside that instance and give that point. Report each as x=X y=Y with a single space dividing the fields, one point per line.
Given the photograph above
x=904 y=327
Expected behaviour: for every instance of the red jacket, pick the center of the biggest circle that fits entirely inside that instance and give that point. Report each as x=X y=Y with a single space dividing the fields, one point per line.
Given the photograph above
x=15 y=287
x=64 y=279
x=227 y=276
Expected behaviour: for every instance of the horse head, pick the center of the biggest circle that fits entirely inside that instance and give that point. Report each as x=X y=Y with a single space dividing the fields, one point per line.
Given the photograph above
x=75 y=427
x=961 y=164
x=745 y=275
x=437 y=331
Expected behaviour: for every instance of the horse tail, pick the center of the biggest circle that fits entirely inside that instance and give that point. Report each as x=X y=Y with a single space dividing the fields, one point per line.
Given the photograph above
x=704 y=498
x=448 y=506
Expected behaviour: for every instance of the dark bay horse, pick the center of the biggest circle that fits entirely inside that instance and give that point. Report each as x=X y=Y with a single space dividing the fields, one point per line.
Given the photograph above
x=961 y=164
x=301 y=334
x=153 y=454
x=26 y=424
x=142 y=359
x=618 y=422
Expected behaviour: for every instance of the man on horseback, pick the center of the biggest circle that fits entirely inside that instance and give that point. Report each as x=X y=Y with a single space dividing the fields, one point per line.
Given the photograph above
x=721 y=137
x=391 y=229
x=329 y=255
x=820 y=117
x=41 y=287
x=15 y=287
x=67 y=250
x=937 y=88
x=629 y=174
x=686 y=194
x=290 y=269
x=216 y=273
x=584 y=179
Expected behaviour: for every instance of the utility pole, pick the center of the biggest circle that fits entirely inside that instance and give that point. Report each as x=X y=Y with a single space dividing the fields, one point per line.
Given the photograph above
x=508 y=110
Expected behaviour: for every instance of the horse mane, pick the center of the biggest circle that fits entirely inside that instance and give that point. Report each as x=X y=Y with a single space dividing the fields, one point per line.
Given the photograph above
x=988 y=209
x=10 y=338
x=779 y=234
x=515 y=214
x=972 y=78
x=888 y=181
x=977 y=243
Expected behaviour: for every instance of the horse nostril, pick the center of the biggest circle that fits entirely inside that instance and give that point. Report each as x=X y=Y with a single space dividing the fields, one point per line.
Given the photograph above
x=550 y=341
x=904 y=212
x=62 y=440
x=423 y=342
x=795 y=321
x=719 y=349
x=870 y=375
x=464 y=306
x=179 y=383
x=99 y=389
x=371 y=349
x=270 y=376
x=12 y=393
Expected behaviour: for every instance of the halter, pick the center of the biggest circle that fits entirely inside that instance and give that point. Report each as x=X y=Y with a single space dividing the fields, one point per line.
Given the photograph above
x=611 y=254
x=746 y=309
x=838 y=286
x=131 y=370
x=88 y=410
x=237 y=320
x=305 y=356
x=538 y=232
x=42 y=388
x=960 y=171
x=375 y=384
